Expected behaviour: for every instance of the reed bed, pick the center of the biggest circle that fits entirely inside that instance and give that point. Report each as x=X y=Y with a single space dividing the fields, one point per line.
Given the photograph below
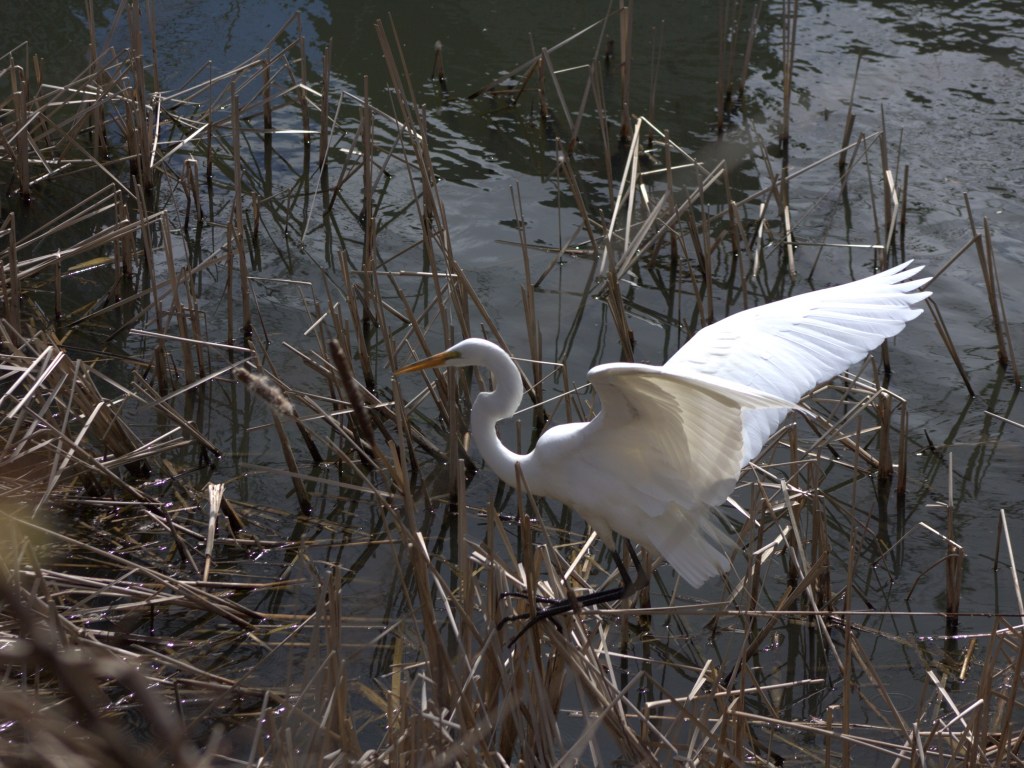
x=231 y=539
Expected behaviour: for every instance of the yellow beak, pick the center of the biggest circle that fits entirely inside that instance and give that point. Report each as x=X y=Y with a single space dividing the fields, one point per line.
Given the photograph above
x=431 y=362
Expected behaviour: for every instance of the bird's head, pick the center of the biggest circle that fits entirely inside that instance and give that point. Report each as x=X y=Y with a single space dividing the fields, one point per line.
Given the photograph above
x=464 y=354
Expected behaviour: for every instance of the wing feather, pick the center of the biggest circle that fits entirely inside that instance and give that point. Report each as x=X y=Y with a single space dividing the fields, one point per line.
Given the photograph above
x=788 y=347
x=688 y=425
x=664 y=448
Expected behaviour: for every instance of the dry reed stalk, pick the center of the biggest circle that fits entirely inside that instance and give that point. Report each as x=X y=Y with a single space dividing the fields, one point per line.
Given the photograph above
x=903 y=213
x=192 y=196
x=902 y=452
x=19 y=89
x=11 y=287
x=367 y=217
x=954 y=556
x=1012 y=562
x=136 y=117
x=753 y=29
x=625 y=64
x=885 y=462
x=723 y=93
x=550 y=73
x=325 y=124
x=438 y=68
x=355 y=398
x=789 y=26
x=1005 y=340
x=886 y=223
x=534 y=336
x=950 y=345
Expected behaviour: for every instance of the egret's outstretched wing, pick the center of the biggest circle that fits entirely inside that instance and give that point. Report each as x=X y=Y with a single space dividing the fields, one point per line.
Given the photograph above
x=788 y=347
x=688 y=423
x=663 y=450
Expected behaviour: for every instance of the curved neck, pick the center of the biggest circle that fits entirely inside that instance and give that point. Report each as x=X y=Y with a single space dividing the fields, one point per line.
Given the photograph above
x=491 y=407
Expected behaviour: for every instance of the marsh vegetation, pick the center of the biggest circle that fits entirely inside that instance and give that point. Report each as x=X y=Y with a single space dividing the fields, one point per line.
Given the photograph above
x=230 y=537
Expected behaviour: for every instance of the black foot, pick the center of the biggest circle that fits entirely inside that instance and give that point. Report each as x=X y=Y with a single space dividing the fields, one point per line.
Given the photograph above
x=525 y=596
x=558 y=607
x=575 y=602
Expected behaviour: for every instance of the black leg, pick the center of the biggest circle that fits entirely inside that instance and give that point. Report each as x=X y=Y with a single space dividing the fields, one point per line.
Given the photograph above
x=574 y=602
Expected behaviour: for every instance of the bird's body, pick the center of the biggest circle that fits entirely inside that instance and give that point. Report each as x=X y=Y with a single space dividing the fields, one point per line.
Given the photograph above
x=670 y=441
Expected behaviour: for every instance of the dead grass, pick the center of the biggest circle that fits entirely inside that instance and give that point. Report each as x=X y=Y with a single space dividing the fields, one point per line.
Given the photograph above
x=227 y=539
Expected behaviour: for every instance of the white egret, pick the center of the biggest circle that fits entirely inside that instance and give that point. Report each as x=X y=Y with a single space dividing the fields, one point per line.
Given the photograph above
x=670 y=441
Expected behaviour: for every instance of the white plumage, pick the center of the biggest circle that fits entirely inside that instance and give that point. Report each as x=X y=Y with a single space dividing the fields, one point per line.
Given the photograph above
x=670 y=441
